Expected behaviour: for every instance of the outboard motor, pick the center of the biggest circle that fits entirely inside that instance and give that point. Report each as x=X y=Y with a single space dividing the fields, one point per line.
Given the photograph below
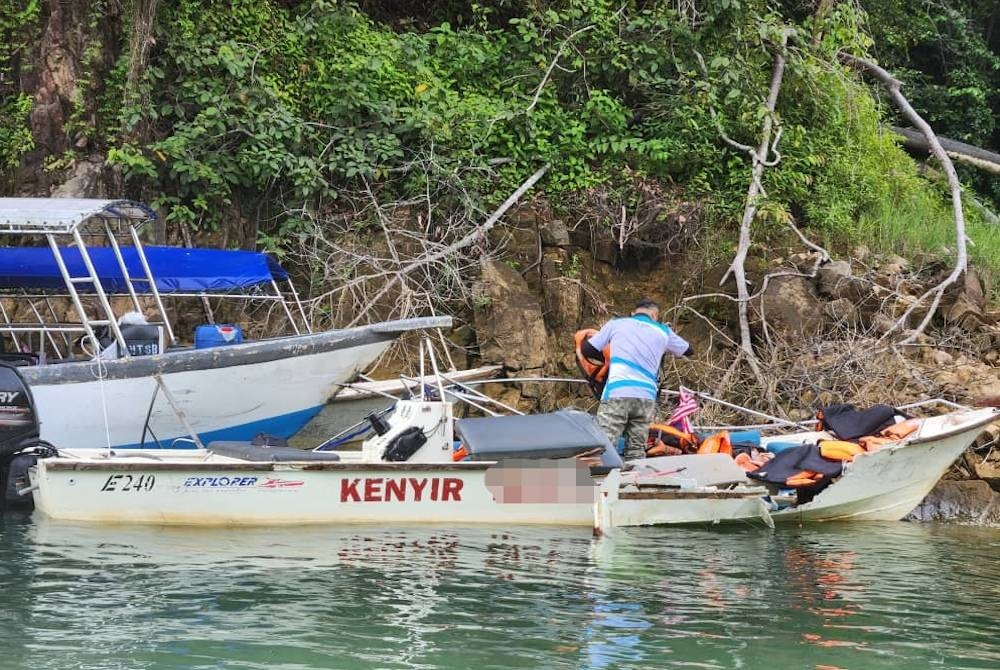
x=19 y=437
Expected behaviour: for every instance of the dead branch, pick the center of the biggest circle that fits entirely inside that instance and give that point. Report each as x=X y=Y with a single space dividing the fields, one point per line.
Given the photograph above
x=893 y=85
x=410 y=267
x=552 y=65
x=760 y=161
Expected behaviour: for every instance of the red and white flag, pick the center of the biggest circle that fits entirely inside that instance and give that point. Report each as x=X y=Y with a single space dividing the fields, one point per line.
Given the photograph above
x=687 y=405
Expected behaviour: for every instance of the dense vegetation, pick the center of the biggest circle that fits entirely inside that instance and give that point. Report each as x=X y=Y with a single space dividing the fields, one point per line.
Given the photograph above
x=280 y=110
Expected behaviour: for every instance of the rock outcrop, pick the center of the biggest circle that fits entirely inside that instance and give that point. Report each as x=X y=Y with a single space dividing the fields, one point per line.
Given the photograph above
x=966 y=502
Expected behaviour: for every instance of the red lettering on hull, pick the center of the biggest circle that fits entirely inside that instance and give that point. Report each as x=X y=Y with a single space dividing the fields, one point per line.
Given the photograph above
x=395 y=489
x=404 y=489
x=417 y=486
x=349 y=490
x=452 y=489
x=373 y=490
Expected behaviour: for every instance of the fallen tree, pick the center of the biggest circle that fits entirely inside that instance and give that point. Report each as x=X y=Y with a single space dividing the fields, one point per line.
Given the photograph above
x=916 y=141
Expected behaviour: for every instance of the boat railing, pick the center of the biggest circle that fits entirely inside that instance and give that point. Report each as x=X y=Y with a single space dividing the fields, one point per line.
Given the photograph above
x=66 y=226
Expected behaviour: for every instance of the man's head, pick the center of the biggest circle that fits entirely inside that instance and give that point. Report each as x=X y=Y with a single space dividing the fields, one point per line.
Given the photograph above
x=648 y=307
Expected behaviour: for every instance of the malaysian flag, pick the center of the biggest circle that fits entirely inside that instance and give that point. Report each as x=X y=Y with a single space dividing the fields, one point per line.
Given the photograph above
x=687 y=405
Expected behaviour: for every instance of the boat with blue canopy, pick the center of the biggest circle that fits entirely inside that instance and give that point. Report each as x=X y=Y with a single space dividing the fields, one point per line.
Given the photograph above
x=84 y=312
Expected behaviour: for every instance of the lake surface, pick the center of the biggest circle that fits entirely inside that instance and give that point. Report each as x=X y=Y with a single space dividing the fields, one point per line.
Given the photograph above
x=862 y=596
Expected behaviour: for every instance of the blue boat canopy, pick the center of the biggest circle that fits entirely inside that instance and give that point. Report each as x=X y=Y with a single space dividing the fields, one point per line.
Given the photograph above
x=175 y=270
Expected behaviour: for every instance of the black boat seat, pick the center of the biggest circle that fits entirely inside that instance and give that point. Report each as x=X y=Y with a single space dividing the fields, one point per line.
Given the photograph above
x=561 y=434
x=264 y=454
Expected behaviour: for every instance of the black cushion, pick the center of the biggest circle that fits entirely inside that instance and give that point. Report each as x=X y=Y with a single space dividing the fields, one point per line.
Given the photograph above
x=561 y=434
x=849 y=423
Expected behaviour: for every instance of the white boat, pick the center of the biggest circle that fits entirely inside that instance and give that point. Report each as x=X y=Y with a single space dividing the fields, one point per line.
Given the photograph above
x=883 y=485
x=525 y=470
x=540 y=469
x=140 y=388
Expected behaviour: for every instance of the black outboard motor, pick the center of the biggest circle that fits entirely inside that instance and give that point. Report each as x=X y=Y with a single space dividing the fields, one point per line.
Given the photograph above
x=19 y=436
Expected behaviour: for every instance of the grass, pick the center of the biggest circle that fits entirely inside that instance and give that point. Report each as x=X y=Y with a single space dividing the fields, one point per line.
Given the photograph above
x=923 y=224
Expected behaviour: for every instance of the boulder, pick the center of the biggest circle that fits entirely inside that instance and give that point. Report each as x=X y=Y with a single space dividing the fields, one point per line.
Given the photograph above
x=791 y=306
x=967 y=309
x=509 y=324
x=969 y=502
x=84 y=183
x=554 y=233
x=563 y=303
x=989 y=472
x=894 y=266
x=836 y=281
x=540 y=395
x=841 y=311
x=829 y=276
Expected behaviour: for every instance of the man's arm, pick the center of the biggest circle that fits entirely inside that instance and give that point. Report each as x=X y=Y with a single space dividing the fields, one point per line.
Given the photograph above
x=601 y=339
x=677 y=345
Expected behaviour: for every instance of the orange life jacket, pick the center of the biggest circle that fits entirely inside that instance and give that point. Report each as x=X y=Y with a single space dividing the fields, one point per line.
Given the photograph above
x=594 y=371
x=666 y=440
x=716 y=444
x=839 y=450
x=902 y=429
x=803 y=479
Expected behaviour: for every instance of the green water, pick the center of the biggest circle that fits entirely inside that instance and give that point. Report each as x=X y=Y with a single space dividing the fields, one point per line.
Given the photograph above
x=864 y=596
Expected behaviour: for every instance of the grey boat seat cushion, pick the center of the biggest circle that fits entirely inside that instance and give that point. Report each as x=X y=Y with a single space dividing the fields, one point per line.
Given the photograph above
x=263 y=454
x=561 y=434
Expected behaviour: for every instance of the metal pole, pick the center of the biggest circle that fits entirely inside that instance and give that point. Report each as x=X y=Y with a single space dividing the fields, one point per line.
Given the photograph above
x=298 y=303
x=121 y=264
x=13 y=333
x=284 y=306
x=178 y=411
x=102 y=297
x=437 y=373
x=73 y=294
x=152 y=284
x=776 y=419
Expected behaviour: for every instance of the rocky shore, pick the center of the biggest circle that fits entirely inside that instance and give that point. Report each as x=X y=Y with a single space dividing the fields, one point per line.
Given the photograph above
x=819 y=324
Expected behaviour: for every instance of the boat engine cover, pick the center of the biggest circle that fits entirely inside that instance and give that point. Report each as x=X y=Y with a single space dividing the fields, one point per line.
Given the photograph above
x=18 y=430
x=18 y=421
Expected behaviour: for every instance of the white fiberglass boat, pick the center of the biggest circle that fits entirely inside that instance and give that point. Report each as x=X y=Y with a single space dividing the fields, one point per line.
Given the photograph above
x=883 y=485
x=538 y=469
x=84 y=313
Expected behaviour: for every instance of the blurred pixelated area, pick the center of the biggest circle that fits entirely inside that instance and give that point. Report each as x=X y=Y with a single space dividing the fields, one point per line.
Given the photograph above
x=540 y=481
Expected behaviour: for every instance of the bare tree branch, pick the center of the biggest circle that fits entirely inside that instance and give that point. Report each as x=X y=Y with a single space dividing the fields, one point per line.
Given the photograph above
x=760 y=161
x=894 y=86
x=555 y=59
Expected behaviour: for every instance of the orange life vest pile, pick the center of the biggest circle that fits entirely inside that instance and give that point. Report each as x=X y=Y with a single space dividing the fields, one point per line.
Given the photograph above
x=845 y=451
x=667 y=440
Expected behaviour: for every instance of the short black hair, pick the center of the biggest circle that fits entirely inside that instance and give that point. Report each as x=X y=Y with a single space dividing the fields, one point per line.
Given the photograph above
x=647 y=303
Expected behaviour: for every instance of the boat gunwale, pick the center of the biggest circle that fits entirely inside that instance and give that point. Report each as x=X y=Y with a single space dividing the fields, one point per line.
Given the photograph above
x=689 y=494
x=979 y=423
x=74 y=463
x=245 y=353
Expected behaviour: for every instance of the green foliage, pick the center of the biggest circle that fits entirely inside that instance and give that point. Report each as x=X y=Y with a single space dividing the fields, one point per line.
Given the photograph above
x=17 y=21
x=941 y=52
x=15 y=135
x=253 y=102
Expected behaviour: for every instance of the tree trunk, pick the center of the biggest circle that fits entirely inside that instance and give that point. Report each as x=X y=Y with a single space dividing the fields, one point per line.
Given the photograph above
x=967 y=153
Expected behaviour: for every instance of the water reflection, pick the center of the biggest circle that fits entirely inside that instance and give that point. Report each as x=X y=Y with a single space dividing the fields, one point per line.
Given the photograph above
x=893 y=596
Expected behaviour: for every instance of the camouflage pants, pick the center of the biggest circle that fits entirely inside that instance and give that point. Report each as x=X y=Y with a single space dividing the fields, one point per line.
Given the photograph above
x=628 y=416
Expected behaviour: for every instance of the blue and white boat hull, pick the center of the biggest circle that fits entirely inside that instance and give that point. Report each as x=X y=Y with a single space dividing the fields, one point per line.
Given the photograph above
x=233 y=392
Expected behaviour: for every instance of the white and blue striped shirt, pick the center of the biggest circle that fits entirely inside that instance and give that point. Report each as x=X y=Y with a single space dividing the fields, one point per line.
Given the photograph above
x=637 y=346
